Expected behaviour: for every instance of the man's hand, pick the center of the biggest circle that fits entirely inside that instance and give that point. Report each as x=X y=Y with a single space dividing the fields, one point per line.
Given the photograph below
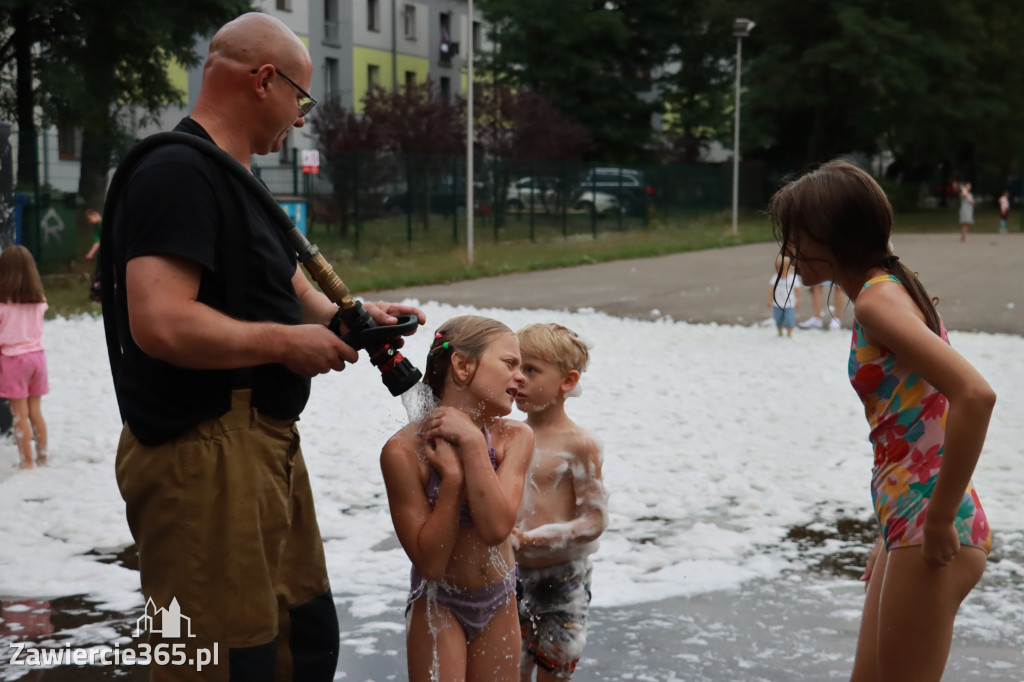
x=313 y=349
x=387 y=313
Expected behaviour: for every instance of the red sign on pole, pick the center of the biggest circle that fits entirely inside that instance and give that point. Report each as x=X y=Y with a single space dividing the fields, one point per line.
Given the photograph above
x=310 y=161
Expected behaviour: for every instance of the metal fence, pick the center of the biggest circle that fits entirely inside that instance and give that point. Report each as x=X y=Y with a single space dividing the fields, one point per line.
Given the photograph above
x=387 y=200
x=376 y=200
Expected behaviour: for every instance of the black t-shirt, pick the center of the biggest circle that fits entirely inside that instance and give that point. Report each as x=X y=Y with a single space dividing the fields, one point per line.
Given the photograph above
x=170 y=205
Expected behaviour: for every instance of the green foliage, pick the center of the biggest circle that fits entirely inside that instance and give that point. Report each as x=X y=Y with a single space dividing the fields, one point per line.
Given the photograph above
x=592 y=60
x=904 y=196
x=697 y=86
x=934 y=82
x=98 y=57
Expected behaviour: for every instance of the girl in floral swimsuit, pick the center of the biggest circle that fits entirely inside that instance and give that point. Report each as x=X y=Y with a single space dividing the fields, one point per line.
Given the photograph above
x=928 y=410
x=455 y=481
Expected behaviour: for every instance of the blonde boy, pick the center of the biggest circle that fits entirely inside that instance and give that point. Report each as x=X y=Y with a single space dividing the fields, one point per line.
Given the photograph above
x=564 y=509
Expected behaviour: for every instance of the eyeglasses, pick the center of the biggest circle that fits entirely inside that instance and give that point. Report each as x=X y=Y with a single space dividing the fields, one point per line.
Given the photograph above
x=307 y=102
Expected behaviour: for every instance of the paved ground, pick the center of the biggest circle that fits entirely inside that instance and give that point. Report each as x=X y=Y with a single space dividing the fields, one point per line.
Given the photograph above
x=980 y=284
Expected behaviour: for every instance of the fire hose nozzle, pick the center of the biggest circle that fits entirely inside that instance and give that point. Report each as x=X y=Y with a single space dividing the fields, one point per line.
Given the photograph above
x=397 y=373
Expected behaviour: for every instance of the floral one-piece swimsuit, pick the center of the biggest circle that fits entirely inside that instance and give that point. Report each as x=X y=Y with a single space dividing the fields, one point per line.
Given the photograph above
x=907 y=416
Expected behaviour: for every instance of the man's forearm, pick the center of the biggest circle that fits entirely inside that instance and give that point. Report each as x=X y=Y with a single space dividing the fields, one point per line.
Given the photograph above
x=201 y=337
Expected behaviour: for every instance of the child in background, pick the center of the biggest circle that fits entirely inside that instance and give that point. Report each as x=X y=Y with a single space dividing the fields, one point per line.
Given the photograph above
x=928 y=410
x=92 y=217
x=784 y=295
x=23 y=379
x=820 y=307
x=564 y=511
x=966 y=210
x=455 y=482
x=1004 y=211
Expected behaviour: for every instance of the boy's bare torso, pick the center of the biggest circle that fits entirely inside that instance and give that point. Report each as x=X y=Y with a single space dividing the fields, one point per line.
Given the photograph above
x=564 y=507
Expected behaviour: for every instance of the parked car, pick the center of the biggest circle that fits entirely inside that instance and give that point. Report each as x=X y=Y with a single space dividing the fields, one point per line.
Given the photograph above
x=628 y=184
x=528 y=193
x=602 y=203
x=444 y=197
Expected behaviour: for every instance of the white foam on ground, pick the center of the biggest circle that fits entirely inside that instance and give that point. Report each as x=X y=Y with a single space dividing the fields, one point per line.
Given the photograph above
x=717 y=440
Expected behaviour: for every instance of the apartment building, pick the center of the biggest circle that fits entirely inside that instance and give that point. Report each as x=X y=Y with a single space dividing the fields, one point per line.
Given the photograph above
x=354 y=44
x=360 y=44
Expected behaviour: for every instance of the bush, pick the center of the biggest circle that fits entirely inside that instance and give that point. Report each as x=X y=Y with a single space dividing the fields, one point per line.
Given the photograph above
x=903 y=196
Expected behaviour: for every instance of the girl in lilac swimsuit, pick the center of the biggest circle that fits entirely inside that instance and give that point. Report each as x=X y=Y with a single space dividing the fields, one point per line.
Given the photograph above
x=928 y=410
x=455 y=481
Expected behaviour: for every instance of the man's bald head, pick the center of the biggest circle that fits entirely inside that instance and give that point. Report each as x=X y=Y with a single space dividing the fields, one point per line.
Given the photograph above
x=246 y=104
x=254 y=39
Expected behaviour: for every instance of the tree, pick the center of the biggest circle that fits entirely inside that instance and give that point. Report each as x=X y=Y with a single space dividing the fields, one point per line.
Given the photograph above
x=101 y=58
x=410 y=126
x=697 y=84
x=351 y=144
x=933 y=83
x=594 y=60
x=518 y=128
x=421 y=130
x=23 y=25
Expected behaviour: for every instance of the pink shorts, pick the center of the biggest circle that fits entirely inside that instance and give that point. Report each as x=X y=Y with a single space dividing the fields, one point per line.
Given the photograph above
x=23 y=376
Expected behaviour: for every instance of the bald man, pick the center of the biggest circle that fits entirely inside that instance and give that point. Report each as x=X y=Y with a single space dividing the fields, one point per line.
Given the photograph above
x=221 y=333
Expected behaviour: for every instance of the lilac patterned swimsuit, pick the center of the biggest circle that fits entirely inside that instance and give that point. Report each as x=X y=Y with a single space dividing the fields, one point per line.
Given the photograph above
x=434 y=485
x=473 y=608
x=907 y=416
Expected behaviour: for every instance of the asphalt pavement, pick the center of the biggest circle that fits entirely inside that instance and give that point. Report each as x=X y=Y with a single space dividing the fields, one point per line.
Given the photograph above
x=979 y=284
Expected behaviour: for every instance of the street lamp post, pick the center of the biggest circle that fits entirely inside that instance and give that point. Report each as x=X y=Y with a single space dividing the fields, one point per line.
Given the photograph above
x=741 y=28
x=469 y=138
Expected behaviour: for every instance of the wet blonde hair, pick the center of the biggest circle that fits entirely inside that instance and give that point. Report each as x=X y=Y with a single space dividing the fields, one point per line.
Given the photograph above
x=19 y=277
x=466 y=334
x=556 y=344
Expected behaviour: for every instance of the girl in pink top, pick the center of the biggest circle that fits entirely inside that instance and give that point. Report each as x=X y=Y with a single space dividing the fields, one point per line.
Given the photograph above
x=22 y=360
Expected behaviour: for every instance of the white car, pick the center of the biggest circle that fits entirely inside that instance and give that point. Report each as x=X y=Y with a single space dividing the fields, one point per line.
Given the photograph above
x=527 y=193
x=602 y=203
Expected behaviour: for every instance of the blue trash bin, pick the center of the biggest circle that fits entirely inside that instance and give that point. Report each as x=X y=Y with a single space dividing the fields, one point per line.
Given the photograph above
x=296 y=210
x=20 y=201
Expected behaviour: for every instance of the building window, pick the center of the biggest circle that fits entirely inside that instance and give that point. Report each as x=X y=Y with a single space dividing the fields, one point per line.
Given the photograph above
x=373 y=15
x=284 y=5
x=409 y=21
x=449 y=48
x=410 y=79
x=446 y=89
x=332 y=26
x=446 y=27
x=331 y=80
x=476 y=36
x=69 y=142
x=372 y=76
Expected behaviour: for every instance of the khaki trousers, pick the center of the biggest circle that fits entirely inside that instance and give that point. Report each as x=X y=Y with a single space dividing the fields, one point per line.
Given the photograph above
x=224 y=522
